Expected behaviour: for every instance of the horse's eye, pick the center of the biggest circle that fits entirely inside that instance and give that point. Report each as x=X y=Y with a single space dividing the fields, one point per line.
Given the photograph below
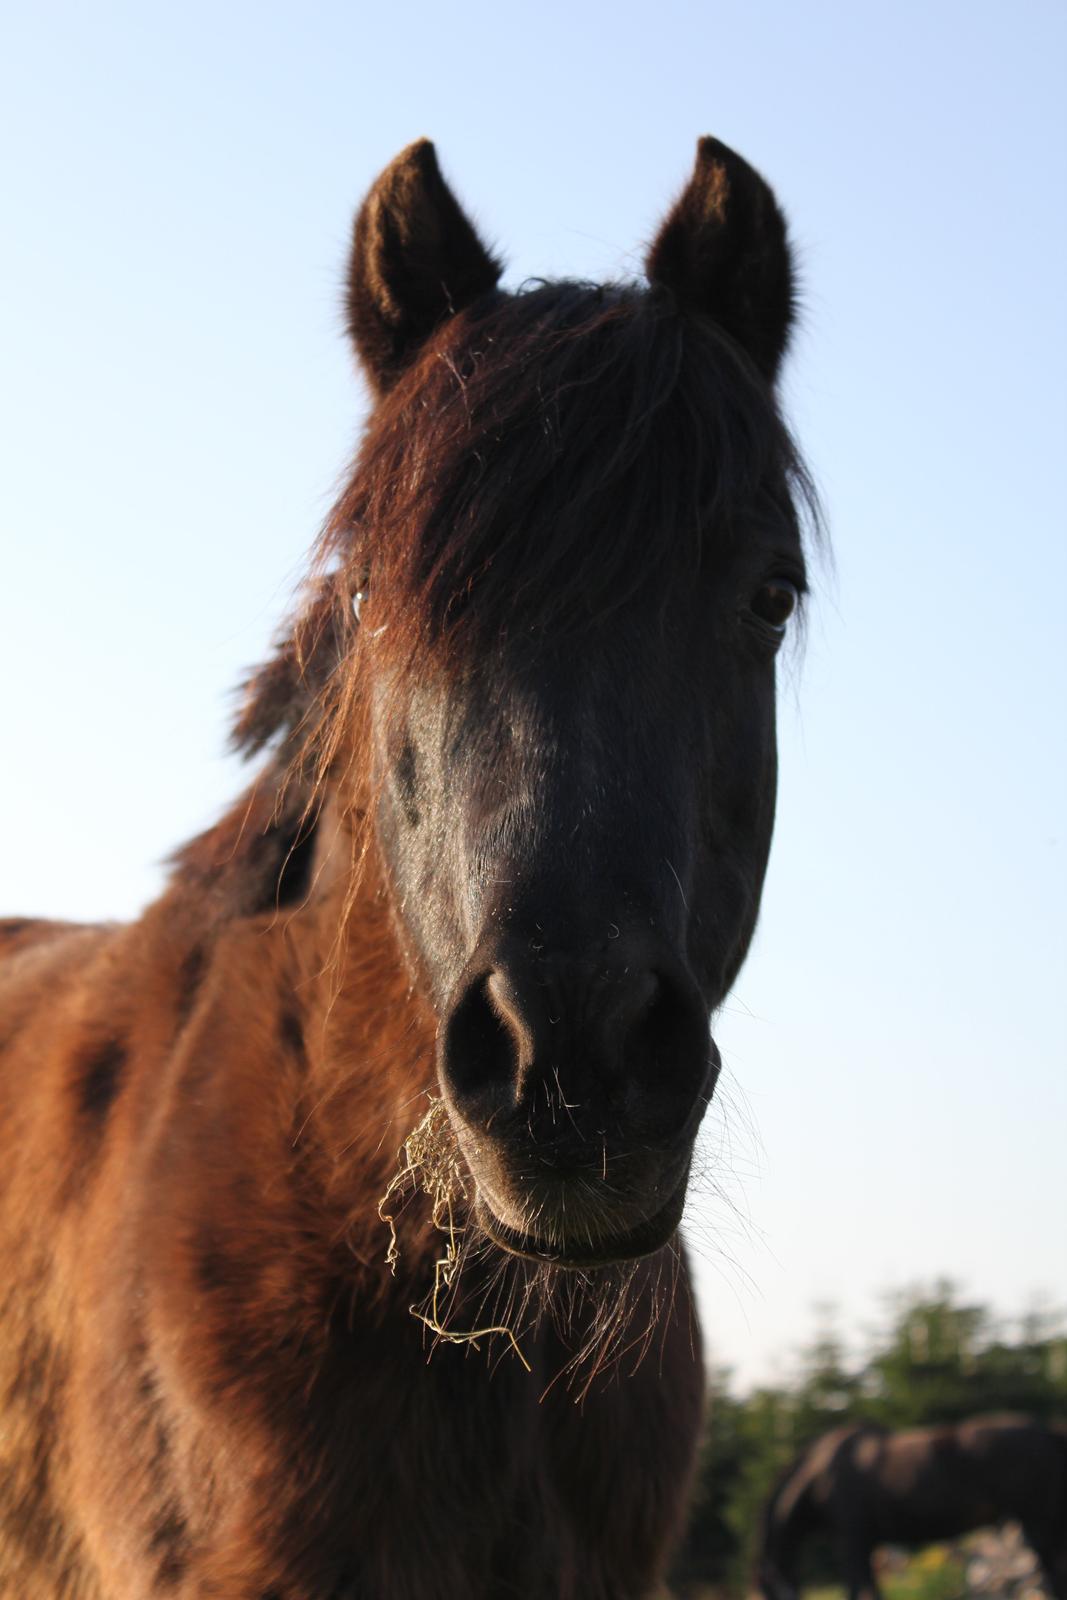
x=774 y=602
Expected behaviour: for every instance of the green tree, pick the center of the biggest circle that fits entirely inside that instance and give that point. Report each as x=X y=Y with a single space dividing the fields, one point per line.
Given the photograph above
x=925 y=1368
x=943 y=1359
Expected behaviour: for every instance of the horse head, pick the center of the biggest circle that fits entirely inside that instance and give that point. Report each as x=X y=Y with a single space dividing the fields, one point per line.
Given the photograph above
x=572 y=543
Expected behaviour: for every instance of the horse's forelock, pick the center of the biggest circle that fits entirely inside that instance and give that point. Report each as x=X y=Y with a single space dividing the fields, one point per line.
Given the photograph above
x=552 y=456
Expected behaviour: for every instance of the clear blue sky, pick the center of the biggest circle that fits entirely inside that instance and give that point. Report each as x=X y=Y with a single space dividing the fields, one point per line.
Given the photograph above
x=177 y=405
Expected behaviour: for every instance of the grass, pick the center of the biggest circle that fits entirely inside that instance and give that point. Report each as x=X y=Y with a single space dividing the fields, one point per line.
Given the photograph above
x=936 y=1573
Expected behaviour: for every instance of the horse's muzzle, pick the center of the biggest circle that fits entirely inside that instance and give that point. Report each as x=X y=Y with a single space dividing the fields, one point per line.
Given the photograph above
x=577 y=1087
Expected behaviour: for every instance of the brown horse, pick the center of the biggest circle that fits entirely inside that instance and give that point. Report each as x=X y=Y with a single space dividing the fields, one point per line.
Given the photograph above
x=501 y=864
x=865 y=1486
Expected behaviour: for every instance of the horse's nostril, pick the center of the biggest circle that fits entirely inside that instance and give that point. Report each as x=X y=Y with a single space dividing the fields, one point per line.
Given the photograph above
x=665 y=1051
x=656 y=1022
x=480 y=1053
x=635 y=1000
x=634 y=1042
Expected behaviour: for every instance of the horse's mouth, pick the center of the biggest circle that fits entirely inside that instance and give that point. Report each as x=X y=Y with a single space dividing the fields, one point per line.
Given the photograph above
x=578 y=1254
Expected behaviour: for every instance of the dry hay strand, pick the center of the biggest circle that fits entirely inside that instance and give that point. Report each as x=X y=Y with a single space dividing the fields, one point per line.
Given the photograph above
x=429 y=1161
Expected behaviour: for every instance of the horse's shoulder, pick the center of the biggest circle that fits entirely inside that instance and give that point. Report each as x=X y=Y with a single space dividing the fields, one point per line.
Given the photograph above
x=36 y=954
x=46 y=973
x=849 y=1435
x=998 y=1422
x=23 y=933
x=842 y=1449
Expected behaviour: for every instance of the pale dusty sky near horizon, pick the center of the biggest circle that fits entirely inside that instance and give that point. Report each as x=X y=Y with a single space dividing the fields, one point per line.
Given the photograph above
x=177 y=407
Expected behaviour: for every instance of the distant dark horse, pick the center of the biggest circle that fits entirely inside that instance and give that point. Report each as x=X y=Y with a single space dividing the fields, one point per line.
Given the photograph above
x=501 y=864
x=865 y=1486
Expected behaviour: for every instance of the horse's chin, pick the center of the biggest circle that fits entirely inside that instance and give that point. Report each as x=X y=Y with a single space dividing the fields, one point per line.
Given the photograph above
x=595 y=1250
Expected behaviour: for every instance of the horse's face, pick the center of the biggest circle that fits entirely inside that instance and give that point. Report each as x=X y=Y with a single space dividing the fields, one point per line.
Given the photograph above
x=575 y=816
x=576 y=834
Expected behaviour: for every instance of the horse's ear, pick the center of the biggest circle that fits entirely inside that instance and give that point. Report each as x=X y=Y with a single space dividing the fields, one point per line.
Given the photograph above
x=723 y=251
x=415 y=260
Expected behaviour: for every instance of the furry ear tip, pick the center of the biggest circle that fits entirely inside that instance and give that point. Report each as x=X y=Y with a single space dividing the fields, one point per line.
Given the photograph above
x=415 y=261
x=723 y=251
x=710 y=149
x=718 y=168
x=419 y=153
x=417 y=160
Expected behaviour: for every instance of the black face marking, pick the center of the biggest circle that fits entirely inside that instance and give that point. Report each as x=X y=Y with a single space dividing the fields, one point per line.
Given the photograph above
x=34 y=1402
x=213 y=1269
x=27 y=1513
x=405 y=778
x=168 y=1541
x=169 y=1546
x=190 y=977
x=9 y=1034
x=98 y=1079
x=291 y=1030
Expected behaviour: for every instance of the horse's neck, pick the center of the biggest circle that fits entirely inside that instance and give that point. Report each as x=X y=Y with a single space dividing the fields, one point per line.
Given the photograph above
x=308 y=1042
x=368 y=1037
